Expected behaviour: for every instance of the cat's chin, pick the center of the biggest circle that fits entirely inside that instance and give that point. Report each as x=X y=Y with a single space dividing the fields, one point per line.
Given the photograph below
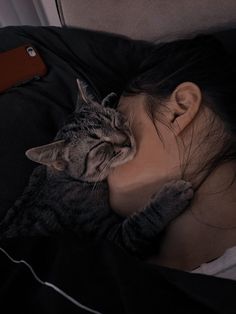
x=124 y=157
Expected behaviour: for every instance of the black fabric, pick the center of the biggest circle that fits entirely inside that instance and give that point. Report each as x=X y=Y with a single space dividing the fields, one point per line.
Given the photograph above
x=104 y=278
x=97 y=274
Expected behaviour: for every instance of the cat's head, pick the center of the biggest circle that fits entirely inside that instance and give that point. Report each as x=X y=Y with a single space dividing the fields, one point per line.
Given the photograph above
x=94 y=139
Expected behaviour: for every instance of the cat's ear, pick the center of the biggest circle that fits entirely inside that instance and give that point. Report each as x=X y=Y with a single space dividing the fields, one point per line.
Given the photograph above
x=110 y=101
x=49 y=155
x=83 y=93
x=84 y=97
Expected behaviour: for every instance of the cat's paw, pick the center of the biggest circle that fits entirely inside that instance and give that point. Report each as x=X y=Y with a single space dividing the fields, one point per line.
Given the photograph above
x=173 y=198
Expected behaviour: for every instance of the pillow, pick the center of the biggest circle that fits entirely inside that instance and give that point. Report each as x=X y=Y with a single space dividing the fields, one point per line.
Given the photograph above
x=31 y=114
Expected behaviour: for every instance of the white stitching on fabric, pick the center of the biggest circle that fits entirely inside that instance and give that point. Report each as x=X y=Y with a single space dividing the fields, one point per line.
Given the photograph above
x=48 y=284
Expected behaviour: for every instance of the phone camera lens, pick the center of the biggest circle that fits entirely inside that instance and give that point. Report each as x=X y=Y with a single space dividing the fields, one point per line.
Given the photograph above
x=31 y=51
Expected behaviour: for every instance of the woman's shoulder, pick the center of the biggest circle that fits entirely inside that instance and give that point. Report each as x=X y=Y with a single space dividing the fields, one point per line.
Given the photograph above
x=223 y=266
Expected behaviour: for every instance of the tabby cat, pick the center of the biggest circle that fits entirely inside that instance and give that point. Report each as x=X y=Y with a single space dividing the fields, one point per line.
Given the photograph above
x=69 y=191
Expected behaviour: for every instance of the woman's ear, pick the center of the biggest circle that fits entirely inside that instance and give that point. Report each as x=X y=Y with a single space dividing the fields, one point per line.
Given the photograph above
x=49 y=155
x=184 y=104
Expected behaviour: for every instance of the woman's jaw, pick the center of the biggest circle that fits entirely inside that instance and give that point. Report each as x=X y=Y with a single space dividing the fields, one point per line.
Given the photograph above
x=133 y=183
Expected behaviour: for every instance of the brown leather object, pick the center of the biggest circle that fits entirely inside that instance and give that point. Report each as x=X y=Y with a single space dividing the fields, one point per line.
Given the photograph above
x=20 y=65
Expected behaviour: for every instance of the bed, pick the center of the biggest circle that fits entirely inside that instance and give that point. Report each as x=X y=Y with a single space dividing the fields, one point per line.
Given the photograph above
x=63 y=274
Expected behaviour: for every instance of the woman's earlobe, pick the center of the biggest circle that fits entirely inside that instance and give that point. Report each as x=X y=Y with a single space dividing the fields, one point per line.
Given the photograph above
x=185 y=104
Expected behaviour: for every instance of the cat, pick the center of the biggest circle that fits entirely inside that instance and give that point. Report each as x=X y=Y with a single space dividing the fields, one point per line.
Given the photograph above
x=69 y=190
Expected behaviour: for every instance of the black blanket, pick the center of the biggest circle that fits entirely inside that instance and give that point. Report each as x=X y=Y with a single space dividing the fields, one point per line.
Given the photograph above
x=98 y=275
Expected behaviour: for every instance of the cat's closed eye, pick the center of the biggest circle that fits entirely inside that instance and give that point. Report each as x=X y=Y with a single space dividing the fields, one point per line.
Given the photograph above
x=107 y=116
x=94 y=136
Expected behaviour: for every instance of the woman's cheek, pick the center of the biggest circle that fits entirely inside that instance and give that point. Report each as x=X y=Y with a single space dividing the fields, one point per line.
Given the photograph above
x=132 y=184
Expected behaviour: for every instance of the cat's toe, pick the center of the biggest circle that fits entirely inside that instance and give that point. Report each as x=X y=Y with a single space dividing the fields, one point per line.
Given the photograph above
x=188 y=193
x=175 y=187
x=179 y=185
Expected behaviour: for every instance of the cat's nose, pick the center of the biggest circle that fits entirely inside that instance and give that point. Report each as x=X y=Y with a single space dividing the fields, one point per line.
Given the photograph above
x=126 y=143
x=121 y=140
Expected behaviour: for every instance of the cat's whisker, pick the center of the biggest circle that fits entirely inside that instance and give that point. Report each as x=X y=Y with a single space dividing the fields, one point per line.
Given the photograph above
x=131 y=119
x=98 y=179
x=101 y=173
x=93 y=129
x=96 y=182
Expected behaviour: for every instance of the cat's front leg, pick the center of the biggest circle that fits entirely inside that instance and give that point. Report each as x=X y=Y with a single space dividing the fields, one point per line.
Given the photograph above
x=171 y=200
x=141 y=231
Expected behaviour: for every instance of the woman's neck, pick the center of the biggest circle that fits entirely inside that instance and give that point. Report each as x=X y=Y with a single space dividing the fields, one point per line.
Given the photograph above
x=207 y=228
x=215 y=200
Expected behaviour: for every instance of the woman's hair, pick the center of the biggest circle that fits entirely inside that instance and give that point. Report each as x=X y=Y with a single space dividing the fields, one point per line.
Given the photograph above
x=203 y=61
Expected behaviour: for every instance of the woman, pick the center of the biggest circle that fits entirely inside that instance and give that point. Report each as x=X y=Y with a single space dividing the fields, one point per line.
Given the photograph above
x=183 y=114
